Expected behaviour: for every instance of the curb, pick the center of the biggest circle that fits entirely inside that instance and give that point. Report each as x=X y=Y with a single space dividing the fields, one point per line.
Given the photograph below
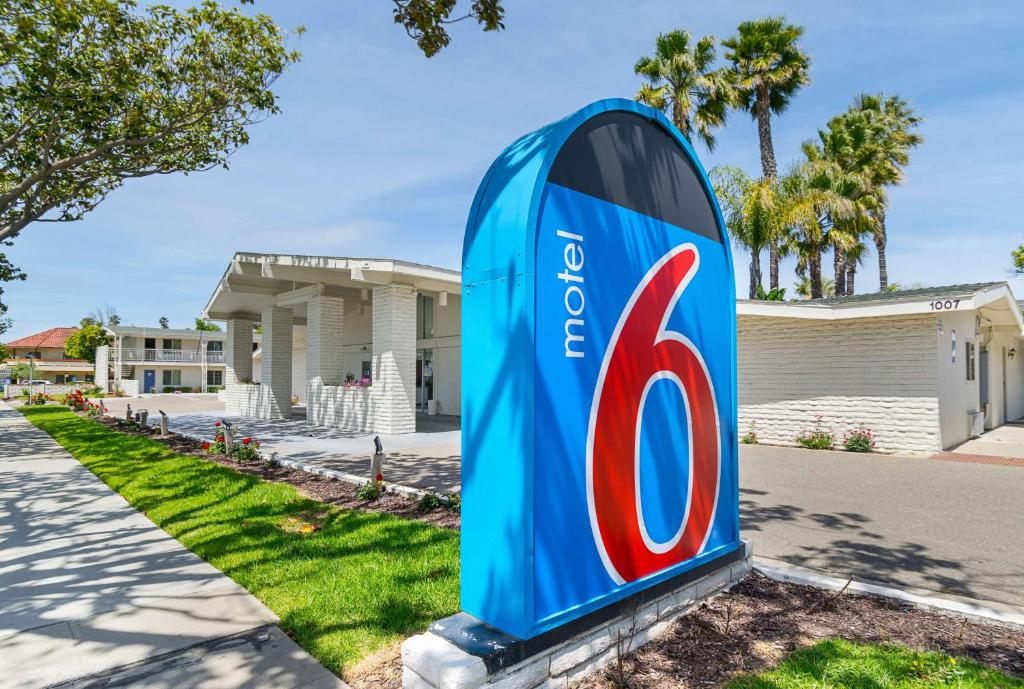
x=987 y=611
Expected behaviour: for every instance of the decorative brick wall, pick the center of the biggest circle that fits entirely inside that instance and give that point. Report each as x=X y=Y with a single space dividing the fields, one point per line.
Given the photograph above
x=875 y=372
x=350 y=409
x=394 y=359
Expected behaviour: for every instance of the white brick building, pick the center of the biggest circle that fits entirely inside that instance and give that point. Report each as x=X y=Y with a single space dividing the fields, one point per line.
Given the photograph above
x=923 y=369
x=365 y=344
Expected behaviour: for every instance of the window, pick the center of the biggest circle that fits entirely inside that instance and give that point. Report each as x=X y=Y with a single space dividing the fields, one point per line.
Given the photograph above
x=215 y=378
x=172 y=344
x=215 y=346
x=366 y=369
x=969 y=356
x=172 y=377
x=59 y=379
x=424 y=316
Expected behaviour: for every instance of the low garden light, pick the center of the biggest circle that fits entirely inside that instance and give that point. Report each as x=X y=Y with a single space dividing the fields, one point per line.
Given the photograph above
x=1011 y=352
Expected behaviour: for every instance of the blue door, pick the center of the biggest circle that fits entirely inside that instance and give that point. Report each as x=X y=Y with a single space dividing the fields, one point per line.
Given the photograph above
x=148 y=380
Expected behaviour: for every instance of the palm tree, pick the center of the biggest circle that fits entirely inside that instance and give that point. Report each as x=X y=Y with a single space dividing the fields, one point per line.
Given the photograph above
x=844 y=158
x=819 y=206
x=754 y=212
x=682 y=82
x=894 y=120
x=768 y=68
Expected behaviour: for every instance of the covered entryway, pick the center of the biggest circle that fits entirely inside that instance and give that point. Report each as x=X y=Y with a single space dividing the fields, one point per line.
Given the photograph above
x=373 y=331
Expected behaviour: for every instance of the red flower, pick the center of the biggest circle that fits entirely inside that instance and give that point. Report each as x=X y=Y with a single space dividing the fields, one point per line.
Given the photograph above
x=206 y=446
x=246 y=441
x=105 y=409
x=217 y=424
x=380 y=477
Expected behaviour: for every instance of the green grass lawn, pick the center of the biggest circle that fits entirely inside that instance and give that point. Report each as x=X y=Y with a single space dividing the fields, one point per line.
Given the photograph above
x=838 y=664
x=362 y=582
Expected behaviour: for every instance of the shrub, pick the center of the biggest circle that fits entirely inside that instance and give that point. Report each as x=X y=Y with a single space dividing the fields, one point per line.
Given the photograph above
x=455 y=502
x=38 y=398
x=75 y=400
x=750 y=437
x=428 y=502
x=817 y=438
x=859 y=440
x=371 y=490
x=248 y=450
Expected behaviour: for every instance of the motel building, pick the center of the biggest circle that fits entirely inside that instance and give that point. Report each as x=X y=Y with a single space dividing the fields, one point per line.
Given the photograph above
x=155 y=359
x=368 y=345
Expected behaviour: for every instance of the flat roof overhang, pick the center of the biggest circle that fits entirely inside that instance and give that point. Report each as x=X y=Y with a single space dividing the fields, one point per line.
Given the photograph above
x=253 y=282
x=996 y=305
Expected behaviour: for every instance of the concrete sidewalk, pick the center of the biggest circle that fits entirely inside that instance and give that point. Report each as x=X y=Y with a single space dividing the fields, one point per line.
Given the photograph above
x=89 y=587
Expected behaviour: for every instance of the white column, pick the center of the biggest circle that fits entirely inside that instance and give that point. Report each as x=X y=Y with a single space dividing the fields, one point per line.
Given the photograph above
x=238 y=352
x=394 y=359
x=325 y=322
x=276 y=369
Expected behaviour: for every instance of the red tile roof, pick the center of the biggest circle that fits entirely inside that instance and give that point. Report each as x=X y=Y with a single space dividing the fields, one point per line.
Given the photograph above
x=54 y=337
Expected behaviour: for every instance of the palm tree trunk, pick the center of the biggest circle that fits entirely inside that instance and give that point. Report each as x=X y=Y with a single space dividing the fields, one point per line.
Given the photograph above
x=851 y=276
x=839 y=271
x=755 y=272
x=880 y=239
x=769 y=169
x=814 y=269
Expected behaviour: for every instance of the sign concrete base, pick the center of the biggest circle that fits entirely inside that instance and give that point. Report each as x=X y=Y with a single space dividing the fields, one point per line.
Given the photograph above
x=461 y=652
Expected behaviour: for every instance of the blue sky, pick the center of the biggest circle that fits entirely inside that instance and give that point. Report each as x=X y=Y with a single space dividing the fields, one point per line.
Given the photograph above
x=378 y=150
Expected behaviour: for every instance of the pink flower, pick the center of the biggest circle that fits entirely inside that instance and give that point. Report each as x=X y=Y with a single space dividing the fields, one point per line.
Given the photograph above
x=217 y=424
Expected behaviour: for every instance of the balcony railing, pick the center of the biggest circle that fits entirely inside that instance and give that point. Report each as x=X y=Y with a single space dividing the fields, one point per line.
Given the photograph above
x=170 y=356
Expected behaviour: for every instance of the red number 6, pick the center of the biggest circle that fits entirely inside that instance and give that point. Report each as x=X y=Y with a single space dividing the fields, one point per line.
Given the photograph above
x=641 y=352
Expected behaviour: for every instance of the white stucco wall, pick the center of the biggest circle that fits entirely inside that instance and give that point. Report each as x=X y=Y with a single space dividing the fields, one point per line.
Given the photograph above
x=877 y=372
x=959 y=396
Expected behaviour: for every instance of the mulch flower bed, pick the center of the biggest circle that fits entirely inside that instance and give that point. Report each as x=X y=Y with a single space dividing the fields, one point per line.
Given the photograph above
x=313 y=486
x=761 y=621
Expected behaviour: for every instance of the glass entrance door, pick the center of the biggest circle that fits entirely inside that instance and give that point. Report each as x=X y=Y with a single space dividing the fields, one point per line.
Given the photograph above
x=424 y=378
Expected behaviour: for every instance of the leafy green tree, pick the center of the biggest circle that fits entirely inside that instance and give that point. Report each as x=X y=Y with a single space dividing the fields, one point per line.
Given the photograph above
x=767 y=68
x=82 y=343
x=96 y=92
x=164 y=323
x=20 y=372
x=755 y=214
x=1017 y=255
x=207 y=326
x=426 y=21
x=8 y=273
x=681 y=80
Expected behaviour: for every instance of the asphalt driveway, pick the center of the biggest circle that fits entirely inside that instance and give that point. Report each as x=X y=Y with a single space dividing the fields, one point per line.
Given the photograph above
x=950 y=527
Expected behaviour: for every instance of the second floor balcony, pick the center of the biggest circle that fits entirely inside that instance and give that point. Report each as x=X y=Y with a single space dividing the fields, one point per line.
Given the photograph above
x=169 y=356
